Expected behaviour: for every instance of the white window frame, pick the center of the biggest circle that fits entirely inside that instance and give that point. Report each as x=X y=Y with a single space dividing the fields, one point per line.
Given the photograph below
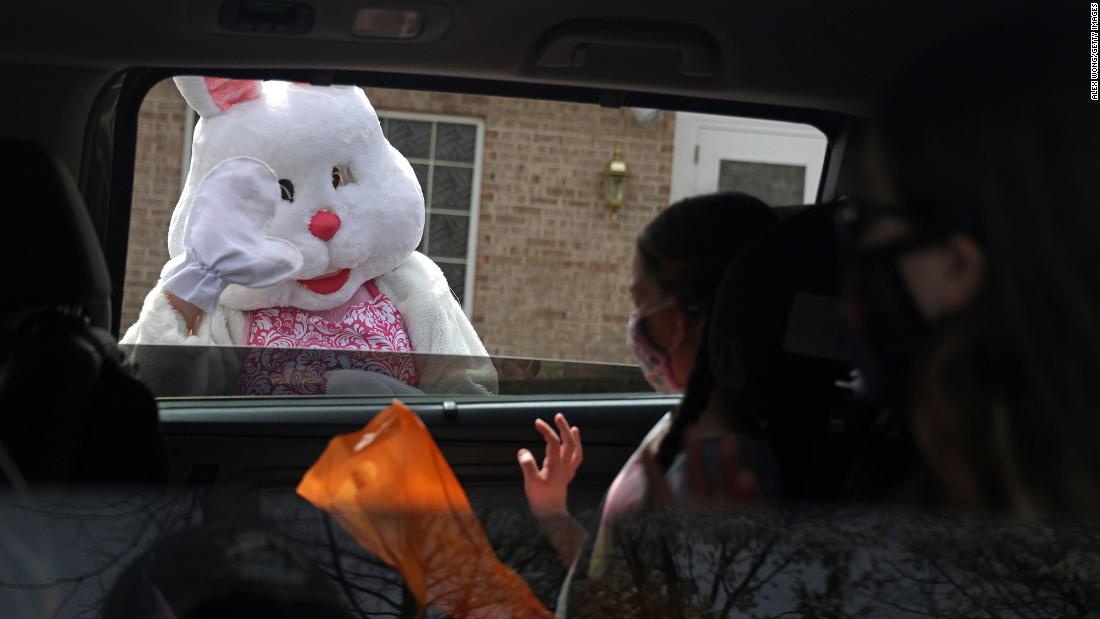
x=475 y=190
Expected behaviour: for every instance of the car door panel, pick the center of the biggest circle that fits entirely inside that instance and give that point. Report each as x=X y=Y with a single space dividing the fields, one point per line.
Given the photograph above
x=240 y=446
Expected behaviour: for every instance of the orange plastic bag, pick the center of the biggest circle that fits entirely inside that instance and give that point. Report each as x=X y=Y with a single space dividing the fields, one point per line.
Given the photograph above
x=389 y=486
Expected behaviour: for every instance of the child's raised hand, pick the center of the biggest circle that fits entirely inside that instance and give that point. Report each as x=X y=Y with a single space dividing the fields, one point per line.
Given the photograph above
x=548 y=487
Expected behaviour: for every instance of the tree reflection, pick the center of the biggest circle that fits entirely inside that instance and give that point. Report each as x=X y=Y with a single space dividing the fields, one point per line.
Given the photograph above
x=64 y=551
x=810 y=561
x=819 y=562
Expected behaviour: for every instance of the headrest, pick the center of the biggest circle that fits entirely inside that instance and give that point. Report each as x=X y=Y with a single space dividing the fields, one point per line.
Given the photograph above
x=51 y=252
x=777 y=333
x=224 y=569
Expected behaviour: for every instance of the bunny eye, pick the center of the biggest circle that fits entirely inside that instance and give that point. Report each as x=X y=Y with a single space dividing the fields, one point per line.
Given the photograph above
x=341 y=176
x=287 y=189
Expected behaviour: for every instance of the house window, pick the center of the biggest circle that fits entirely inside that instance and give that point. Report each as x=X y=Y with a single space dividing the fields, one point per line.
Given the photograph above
x=771 y=182
x=445 y=152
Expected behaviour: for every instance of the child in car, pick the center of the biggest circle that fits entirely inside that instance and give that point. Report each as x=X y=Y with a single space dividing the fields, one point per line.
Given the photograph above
x=680 y=259
x=763 y=415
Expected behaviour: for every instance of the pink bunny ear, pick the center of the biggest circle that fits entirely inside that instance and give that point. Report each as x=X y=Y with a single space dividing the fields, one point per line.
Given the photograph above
x=210 y=96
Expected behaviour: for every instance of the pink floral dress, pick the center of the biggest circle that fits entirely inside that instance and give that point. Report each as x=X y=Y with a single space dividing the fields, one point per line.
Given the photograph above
x=292 y=348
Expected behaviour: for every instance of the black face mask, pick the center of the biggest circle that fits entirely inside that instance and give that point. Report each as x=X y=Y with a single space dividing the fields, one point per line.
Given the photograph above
x=892 y=337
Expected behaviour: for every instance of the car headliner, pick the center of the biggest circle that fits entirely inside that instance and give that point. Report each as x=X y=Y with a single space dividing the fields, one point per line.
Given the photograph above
x=814 y=54
x=828 y=54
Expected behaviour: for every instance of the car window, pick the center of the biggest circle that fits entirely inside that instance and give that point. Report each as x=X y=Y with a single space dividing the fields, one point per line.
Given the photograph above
x=520 y=218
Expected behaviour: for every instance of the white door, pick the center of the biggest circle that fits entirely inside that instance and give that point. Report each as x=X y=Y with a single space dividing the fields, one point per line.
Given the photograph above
x=778 y=162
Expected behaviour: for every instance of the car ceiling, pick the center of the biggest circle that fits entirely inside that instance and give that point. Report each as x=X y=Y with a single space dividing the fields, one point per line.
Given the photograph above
x=826 y=54
x=59 y=58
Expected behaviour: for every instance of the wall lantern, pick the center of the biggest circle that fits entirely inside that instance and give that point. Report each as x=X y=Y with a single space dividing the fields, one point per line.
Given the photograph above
x=615 y=177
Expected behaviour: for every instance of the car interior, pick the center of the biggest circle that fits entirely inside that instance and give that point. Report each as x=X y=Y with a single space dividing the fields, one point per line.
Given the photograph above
x=73 y=411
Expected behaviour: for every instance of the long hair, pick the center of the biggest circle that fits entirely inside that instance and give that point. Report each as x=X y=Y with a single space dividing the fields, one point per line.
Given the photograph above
x=687 y=249
x=994 y=135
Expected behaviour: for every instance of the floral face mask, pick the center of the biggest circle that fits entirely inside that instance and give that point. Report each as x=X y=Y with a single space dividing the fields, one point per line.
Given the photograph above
x=655 y=363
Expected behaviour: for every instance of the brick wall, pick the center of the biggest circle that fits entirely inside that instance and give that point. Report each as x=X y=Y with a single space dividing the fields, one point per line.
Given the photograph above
x=161 y=124
x=552 y=268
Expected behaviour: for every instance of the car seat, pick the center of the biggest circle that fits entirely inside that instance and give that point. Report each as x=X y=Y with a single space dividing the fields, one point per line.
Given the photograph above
x=221 y=570
x=69 y=409
x=781 y=353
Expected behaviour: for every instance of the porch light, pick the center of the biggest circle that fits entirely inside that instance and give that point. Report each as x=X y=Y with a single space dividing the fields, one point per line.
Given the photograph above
x=615 y=177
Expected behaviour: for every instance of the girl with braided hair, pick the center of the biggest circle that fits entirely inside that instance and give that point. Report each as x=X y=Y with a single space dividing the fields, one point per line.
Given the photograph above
x=680 y=259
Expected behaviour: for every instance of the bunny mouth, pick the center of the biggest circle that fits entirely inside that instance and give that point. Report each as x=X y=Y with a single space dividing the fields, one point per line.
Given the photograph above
x=327 y=284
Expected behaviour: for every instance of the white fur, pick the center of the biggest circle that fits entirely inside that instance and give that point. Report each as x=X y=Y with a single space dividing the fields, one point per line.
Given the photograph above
x=453 y=359
x=302 y=132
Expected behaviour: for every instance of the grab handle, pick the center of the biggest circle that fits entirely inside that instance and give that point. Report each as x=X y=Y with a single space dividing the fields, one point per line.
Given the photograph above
x=566 y=45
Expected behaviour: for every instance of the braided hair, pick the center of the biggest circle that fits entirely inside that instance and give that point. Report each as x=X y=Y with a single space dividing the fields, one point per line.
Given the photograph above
x=687 y=249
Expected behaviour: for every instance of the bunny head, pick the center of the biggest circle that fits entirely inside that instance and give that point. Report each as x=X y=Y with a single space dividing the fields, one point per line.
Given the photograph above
x=351 y=203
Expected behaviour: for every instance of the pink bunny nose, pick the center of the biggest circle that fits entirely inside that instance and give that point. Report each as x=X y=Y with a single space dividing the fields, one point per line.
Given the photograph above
x=324 y=225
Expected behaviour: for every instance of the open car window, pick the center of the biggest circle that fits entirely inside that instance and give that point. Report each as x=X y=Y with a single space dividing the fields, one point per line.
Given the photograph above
x=530 y=208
